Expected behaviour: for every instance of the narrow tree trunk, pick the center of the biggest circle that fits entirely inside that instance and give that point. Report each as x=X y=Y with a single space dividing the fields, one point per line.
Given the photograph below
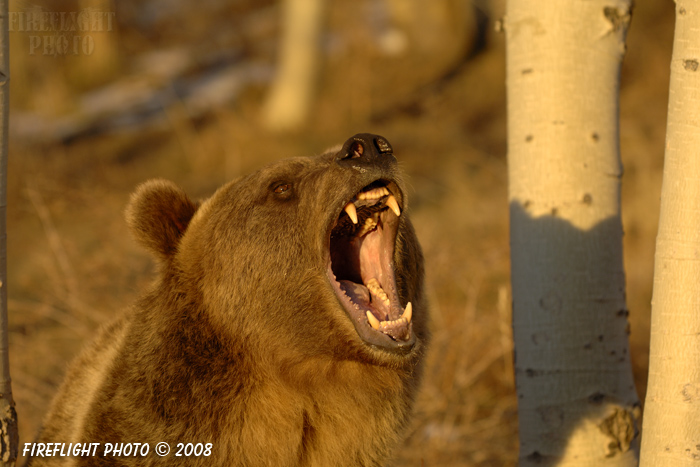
x=577 y=404
x=671 y=435
x=291 y=96
x=9 y=438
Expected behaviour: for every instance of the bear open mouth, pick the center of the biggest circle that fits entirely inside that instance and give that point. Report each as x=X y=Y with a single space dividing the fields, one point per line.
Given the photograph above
x=361 y=266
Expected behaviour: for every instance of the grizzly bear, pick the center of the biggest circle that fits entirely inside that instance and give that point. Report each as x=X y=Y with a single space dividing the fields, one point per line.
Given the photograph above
x=286 y=327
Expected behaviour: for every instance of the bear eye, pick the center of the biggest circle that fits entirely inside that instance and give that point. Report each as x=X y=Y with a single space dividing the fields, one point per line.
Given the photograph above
x=281 y=187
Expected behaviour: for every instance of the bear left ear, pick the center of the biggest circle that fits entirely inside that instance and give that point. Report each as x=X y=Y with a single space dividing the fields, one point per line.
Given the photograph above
x=158 y=214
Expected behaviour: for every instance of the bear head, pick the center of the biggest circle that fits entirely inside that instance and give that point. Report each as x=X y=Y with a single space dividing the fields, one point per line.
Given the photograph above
x=308 y=255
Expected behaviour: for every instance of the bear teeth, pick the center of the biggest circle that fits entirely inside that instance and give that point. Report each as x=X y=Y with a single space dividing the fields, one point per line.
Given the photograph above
x=352 y=212
x=376 y=289
x=405 y=318
x=373 y=200
x=385 y=324
x=393 y=205
x=373 y=321
x=407 y=312
x=369 y=225
x=374 y=193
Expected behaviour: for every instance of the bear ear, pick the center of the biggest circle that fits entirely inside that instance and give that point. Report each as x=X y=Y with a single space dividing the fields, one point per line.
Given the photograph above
x=158 y=214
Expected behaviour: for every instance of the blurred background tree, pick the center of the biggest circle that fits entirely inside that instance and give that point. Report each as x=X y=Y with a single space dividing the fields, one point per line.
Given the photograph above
x=291 y=94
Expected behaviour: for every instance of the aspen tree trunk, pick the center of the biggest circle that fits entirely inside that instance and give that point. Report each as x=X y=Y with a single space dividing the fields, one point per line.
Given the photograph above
x=291 y=96
x=577 y=404
x=9 y=438
x=671 y=435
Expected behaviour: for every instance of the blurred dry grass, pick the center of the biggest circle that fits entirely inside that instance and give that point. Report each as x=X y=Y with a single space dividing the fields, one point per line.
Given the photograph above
x=72 y=264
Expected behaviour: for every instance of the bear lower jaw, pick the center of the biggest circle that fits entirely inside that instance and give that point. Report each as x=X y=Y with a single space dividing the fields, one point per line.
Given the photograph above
x=371 y=293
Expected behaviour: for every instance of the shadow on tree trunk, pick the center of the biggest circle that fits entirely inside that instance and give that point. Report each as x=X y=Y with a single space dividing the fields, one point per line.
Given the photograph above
x=576 y=395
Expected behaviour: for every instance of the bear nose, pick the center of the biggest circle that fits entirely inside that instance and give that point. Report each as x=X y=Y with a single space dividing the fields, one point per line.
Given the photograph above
x=366 y=148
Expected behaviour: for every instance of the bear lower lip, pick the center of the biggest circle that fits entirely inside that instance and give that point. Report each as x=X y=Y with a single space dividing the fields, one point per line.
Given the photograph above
x=361 y=268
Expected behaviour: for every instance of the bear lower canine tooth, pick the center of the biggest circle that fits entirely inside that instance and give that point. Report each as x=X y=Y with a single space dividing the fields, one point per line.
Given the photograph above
x=373 y=321
x=408 y=312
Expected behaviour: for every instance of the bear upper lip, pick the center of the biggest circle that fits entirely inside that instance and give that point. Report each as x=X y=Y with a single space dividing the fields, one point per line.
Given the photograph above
x=361 y=266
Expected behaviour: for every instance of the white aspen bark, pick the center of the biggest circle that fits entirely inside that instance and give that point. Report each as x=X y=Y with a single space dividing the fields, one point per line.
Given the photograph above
x=671 y=434
x=9 y=438
x=577 y=403
x=288 y=105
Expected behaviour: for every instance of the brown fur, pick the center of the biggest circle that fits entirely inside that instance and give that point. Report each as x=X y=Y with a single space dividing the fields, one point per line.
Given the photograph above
x=242 y=342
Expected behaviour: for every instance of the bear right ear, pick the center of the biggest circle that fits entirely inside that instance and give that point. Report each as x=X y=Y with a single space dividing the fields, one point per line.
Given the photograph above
x=158 y=214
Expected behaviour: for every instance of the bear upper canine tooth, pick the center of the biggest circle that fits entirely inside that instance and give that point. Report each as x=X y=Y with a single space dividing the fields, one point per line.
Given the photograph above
x=393 y=205
x=352 y=212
